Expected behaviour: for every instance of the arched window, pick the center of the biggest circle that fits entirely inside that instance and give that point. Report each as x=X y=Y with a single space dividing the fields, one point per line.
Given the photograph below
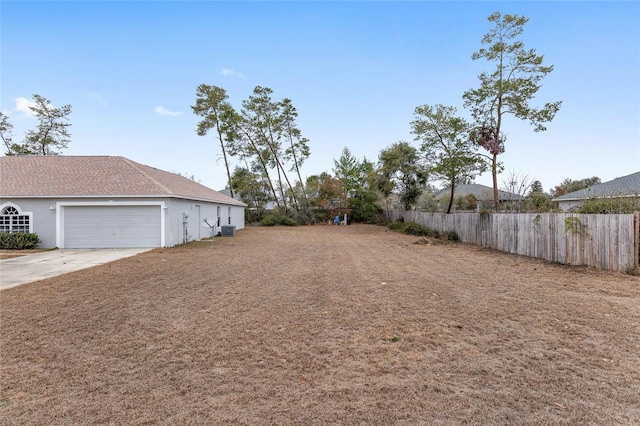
x=12 y=220
x=10 y=210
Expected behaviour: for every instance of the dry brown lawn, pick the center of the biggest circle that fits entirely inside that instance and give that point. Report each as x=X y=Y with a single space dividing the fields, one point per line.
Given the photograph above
x=322 y=325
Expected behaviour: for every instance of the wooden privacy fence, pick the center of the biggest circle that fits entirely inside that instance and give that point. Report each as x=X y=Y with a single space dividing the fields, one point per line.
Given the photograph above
x=607 y=241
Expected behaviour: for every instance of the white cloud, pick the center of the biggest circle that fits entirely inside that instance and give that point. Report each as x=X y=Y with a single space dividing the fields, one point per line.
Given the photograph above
x=226 y=72
x=163 y=111
x=96 y=97
x=23 y=104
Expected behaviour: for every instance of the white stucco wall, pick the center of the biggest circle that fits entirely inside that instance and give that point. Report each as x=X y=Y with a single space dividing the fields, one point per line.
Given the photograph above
x=197 y=212
x=43 y=217
x=47 y=216
x=566 y=205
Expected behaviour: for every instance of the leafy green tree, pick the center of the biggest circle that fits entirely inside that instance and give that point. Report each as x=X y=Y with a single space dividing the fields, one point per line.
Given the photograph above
x=6 y=129
x=263 y=115
x=471 y=202
x=450 y=154
x=52 y=133
x=400 y=167
x=261 y=112
x=536 y=200
x=327 y=194
x=358 y=181
x=6 y=133
x=251 y=188
x=385 y=185
x=364 y=202
x=265 y=135
x=536 y=186
x=364 y=207
x=508 y=89
x=216 y=112
x=347 y=169
x=569 y=185
x=243 y=141
x=353 y=173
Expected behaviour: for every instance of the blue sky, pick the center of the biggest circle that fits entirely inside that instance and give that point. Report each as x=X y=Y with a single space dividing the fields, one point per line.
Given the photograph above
x=355 y=71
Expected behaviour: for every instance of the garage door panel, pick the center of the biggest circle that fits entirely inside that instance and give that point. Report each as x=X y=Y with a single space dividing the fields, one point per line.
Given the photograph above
x=112 y=226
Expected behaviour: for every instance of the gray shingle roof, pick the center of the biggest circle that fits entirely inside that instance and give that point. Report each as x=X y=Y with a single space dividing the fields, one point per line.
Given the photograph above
x=625 y=185
x=481 y=192
x=92 y=176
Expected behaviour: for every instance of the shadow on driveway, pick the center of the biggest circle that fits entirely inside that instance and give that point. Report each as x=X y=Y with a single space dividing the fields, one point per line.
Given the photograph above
x=33 y=267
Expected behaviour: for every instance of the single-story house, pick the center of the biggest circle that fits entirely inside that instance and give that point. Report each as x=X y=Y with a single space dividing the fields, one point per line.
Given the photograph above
x=108 y=202
x=625 y=186
x=483 y=195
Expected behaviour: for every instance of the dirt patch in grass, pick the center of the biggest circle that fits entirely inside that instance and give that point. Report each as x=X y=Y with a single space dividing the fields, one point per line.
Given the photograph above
x=322 y=325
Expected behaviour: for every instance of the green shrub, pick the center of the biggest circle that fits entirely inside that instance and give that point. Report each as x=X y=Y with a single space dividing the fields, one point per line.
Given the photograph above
x=410 y=228
x=273 y=220
x=451 y=236
x=269 y=221
x=18 y=241
x=433 y=233
x=413 y=228
x=397 y=226
x=614 y=205
x=288 y=221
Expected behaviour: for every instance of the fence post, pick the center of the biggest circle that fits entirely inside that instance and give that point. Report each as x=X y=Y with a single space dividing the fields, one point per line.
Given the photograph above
x=636 y=239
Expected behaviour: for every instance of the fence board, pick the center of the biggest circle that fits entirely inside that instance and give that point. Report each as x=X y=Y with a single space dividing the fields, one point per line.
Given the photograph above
x=601 y=241
x=636 y=243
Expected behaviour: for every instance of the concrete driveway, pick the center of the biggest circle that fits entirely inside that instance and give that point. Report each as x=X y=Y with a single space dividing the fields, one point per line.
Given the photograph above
x=38 y=266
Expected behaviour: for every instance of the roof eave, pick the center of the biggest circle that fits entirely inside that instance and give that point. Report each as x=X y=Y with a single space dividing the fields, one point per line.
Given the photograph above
x=594 y=197
x=182 y=197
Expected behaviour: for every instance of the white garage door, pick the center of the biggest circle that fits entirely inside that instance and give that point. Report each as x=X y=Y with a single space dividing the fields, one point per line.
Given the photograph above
x=111 y=226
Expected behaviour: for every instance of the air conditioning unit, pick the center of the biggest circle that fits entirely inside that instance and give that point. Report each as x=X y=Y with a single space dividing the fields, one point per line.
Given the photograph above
x=228 y=231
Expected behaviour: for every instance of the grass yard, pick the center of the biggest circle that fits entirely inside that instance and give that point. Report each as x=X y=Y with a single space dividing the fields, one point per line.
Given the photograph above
x=322 y=325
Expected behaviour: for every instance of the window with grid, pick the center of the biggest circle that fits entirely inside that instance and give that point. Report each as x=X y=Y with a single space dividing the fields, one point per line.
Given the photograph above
x=12 y=221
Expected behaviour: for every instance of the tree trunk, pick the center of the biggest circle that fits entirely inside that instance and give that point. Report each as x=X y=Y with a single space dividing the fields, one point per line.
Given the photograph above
x=295 y=162
x=280 y=167
x=494 y=174
x=226 y=162
x=453 y=189
x=264 y=167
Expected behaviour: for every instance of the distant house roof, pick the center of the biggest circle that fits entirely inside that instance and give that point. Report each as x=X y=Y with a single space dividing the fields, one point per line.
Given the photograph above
x=96 y=176
x=481 y=192
x=625 y=185
x=228 y=193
